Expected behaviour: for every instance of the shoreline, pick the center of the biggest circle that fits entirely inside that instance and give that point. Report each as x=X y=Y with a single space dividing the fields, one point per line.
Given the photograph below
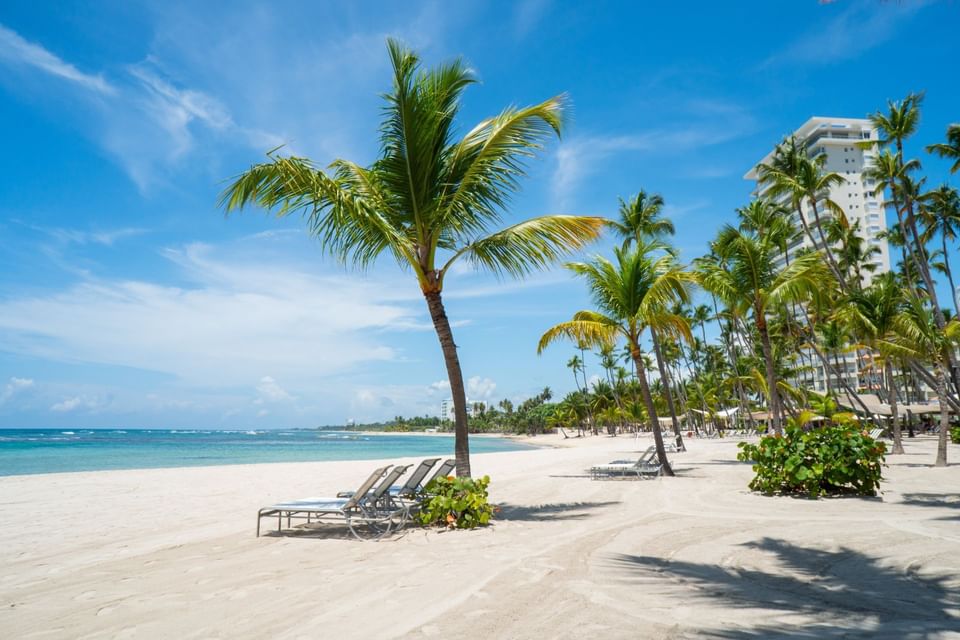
x=566 y=555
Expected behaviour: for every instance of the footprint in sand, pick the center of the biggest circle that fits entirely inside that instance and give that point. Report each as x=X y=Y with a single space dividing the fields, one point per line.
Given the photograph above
x=104 y=611
x=85 y=596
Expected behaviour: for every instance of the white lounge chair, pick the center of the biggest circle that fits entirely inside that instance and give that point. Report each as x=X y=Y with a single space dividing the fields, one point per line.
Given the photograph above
x=369 y=512
x=648 y=466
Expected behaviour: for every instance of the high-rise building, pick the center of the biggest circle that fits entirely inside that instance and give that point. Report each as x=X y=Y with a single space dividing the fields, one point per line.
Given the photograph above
x=447 y=409
x=838 y=140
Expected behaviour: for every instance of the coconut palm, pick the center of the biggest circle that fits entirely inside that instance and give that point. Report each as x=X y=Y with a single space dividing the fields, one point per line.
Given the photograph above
x=430 y=199
x=641 y=217
x=793 y=172
x=745 y=277
x=941 y=215
x=872 y=314
x=950 y=148
x=631 y=293
x=920 y=335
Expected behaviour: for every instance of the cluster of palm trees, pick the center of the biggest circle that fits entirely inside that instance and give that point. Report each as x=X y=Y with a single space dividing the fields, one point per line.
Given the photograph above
x=783 y=314
x=432 y=199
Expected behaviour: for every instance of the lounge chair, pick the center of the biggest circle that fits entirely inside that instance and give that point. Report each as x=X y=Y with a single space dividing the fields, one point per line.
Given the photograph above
x=413 y=484
x=875 y=434
x=443 y=470
x=368 y=512
x=648 y=466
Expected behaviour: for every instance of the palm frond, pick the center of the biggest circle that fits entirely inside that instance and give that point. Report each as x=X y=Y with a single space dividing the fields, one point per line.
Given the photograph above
x=593 y=330
x=532 y=244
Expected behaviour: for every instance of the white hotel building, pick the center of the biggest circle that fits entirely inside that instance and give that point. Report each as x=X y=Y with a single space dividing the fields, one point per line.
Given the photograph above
x=446 y=409
x=837 y=139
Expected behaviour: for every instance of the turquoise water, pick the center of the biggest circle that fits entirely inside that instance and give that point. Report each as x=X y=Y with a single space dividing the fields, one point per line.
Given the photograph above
x=29 y=451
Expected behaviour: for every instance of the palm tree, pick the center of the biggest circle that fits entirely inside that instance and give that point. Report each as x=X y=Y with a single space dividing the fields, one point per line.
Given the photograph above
x=641 y=217
x=745 y=277
x=950 y=148
x=631 y=293
x=921 y=336
x=430 y=199
x=872 y=314
x=941 y=213
x=792 y=172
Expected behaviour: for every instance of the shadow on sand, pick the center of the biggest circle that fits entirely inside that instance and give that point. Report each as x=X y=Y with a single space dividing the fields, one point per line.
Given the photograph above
x=850 y=594
x=550 y=512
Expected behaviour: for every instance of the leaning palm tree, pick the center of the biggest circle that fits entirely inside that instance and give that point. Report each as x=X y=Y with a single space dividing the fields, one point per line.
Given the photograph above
x=950 y=148
x=745 y=278
x=941 y=214
x=921 y=335
x=631 y=293
x=792 y=172
x=872 y=314
x=430 y=199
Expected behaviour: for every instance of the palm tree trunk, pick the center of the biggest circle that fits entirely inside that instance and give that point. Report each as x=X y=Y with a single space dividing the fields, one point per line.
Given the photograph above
x=834 y=267
x=946 y=264
x=666 y=389
x=944 y=418
x=771 y=375
x=651 y=409
x=441 y=323
x=897 y=434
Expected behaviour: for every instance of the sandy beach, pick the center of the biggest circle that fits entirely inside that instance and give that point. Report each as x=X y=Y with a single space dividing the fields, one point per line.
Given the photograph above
x=172 y=553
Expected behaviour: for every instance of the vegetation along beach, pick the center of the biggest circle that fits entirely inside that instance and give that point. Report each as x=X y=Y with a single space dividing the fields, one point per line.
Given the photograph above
x=500 y=320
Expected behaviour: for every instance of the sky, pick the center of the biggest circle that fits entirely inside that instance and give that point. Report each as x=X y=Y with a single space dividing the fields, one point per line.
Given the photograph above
x=128 y=298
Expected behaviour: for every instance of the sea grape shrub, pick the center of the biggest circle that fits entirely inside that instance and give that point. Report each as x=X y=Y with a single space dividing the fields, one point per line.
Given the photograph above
x=955 y=435
x=457 y=503
x=834 y=459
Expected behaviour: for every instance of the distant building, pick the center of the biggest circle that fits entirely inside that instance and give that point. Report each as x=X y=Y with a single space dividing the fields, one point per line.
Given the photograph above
x=447 y=410
x=838 y=139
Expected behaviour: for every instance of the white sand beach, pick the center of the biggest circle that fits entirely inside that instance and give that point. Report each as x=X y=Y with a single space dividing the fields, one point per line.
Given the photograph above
x=172 y=554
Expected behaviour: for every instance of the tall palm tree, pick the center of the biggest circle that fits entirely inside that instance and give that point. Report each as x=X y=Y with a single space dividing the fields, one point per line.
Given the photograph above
x=793 y=172
x=641 y=217
x=631 y=293
x=872 y=314
x=430 y=199
x=950 y=148
x=941 y=214
x=921 y=335
x=746 y=277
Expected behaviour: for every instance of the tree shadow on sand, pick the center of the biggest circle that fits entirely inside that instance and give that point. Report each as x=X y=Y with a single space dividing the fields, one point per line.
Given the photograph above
x=941 y=500
x=850 y=594
x=549 y=512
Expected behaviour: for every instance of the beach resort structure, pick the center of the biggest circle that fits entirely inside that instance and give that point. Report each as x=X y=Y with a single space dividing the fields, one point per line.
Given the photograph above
x=838 y=140
x=446 y=409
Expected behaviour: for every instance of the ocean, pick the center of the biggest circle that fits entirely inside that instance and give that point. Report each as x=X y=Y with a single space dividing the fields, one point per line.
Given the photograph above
x=32 y=451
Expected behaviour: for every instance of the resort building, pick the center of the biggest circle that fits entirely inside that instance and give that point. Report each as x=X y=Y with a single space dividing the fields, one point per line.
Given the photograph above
x=838 y=140
x=446 y=409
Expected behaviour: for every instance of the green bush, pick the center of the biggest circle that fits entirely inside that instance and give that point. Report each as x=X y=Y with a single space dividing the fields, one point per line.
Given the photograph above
x=457 y=503
x=834 y=459
x=955 y=435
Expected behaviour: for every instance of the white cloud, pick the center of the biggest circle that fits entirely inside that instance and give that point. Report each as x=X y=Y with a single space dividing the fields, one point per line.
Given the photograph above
x=14 y=387
x=849 y=32
x=441 y=386
x=239 y=316
x=269 y=391
x=77 y=403
x=15 y=48
x=480 y=388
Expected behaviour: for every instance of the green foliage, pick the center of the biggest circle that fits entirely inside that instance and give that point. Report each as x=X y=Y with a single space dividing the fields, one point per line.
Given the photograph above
x=955 y=435
x=836 y=459
x=457 y=503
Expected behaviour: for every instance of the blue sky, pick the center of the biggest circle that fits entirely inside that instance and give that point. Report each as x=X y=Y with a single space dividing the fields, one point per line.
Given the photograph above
x=127 y=298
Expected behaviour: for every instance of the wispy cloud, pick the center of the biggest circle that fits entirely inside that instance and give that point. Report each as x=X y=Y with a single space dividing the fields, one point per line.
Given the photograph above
x=238 y=320
x=104 y=238
x=848 y=32
x=708 y=123
x=15 y=49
